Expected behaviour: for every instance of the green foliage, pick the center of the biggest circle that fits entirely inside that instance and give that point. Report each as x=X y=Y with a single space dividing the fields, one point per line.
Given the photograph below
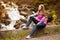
x=54 y=15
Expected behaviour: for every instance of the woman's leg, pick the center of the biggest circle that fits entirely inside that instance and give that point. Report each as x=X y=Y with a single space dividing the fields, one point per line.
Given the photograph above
x=37 y=26
x=30 y=20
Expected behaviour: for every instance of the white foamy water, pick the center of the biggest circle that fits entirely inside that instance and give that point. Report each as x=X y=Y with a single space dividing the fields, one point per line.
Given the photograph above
x=14 y=15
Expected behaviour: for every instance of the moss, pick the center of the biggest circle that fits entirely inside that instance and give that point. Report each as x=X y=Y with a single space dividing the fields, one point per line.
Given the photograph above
x=15 y=36
x=0 y=38
x=19 y=35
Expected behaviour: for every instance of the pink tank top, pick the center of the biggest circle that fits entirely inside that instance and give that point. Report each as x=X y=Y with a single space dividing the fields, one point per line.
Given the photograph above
x=39 y=17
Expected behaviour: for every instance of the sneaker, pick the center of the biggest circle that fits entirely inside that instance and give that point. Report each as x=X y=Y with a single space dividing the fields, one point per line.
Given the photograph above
x=24 y=27
x=28 y=37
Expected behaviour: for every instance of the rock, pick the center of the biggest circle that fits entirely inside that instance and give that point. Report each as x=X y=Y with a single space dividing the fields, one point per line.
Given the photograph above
x=24 y=20
x=6 y=21
x=24 y=13
x=18 y=23
x=0 y=26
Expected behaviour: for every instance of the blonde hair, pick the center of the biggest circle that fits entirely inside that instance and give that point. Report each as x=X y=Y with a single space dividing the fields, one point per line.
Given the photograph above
x=40 y=6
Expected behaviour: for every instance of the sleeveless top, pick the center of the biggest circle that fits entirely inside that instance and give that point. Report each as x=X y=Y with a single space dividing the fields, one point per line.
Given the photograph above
x=39 y=17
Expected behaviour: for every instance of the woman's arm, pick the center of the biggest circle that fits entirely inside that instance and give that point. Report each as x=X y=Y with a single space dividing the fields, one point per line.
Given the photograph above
x=35 y=14
x=42 y=20
x=32 y=15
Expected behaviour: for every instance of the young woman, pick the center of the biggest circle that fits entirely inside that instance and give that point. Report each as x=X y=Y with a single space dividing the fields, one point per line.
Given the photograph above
x=40 y=20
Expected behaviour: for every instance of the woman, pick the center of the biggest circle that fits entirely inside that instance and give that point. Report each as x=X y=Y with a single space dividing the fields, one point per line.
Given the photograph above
x=40 y=21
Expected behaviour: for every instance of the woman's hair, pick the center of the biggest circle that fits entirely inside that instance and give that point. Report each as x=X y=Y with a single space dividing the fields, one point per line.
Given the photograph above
x=41 y=7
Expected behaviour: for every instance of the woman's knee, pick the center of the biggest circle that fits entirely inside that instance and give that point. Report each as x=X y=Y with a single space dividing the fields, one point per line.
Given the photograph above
x=37 y=24
x=31 y=17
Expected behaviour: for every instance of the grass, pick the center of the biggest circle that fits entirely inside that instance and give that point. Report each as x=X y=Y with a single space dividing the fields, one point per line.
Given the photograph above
x=12 y=37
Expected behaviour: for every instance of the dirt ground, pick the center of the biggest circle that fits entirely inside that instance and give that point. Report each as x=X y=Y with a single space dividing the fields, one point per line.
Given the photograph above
x=45 y=37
